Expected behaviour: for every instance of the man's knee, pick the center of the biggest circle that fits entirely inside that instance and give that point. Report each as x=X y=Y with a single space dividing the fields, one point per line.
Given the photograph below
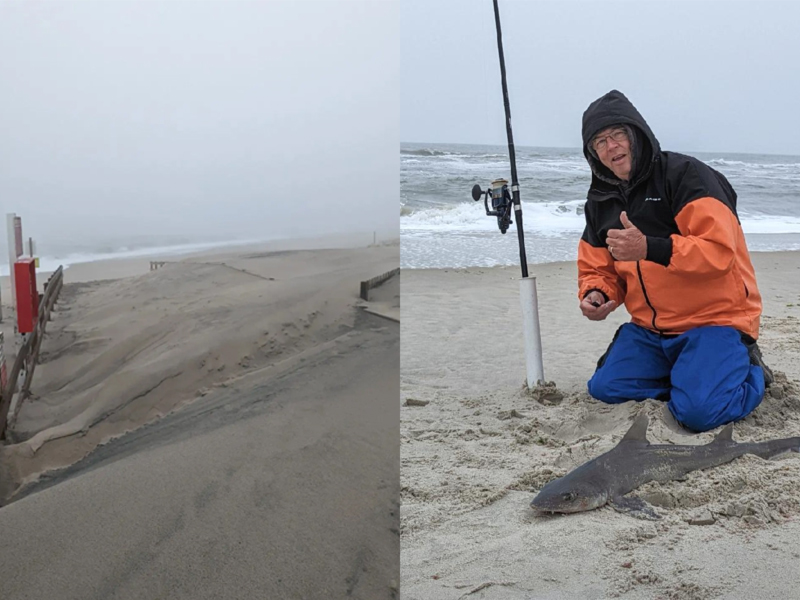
x=704 y=414
x=605 y=388
x=698 y=417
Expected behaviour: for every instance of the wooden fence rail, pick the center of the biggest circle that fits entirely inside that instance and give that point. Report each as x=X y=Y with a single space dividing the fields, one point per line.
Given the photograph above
x=28 y=354
x=367 y=285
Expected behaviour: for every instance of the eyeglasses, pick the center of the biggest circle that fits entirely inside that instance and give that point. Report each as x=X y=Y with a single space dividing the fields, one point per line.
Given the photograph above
x=601 y=141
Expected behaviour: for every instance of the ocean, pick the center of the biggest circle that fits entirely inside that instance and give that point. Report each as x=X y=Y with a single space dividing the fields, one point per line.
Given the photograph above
x=54 y=252
x=442 y=227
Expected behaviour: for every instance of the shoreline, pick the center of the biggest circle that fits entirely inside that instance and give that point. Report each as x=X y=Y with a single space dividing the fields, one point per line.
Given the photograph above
x=503 y=251
x=126 y=266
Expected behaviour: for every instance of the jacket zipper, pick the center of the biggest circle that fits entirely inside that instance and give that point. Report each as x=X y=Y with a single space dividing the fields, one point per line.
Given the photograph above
x=647 y=298
x=639 y=272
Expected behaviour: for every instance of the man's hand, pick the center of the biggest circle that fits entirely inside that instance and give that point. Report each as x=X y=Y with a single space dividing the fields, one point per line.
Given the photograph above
x=595 y=308
x=628 y=243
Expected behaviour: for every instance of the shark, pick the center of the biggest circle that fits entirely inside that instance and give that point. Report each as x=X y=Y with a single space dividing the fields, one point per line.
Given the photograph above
x=607 y=479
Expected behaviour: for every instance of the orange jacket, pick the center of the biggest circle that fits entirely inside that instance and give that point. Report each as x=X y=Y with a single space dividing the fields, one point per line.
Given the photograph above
x=697 y=271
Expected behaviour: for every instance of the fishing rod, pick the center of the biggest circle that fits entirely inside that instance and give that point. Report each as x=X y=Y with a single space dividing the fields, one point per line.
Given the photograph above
x=503 y=199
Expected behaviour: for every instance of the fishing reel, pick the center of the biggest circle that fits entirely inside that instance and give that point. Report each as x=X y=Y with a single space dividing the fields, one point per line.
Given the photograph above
x=501 y=202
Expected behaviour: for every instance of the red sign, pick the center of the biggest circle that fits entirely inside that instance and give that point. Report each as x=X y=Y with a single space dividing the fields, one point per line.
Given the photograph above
x=27 y=295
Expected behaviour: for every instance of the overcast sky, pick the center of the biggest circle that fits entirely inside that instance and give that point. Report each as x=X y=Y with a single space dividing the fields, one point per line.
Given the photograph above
x=250 y=118
x=707 y=75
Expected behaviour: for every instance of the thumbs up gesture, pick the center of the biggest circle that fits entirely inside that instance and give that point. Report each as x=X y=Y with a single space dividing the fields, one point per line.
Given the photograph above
x=628 y=243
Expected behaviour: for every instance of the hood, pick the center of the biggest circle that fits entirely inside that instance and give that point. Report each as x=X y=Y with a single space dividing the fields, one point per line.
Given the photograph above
x=615 y=109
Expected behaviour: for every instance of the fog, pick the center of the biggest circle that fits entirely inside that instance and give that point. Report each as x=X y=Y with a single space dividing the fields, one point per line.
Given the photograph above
x=187 y=121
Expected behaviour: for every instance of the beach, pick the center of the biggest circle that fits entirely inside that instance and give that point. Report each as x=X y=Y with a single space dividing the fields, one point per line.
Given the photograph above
x=223 y=425
x=476 y=446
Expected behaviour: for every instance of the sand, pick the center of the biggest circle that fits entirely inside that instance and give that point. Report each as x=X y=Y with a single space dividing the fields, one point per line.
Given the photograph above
x=476 y=447
x=224 y=426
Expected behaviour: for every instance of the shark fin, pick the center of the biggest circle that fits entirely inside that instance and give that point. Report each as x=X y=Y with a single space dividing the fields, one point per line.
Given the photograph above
x=635 y=507
x=638 y=431
x=726 y=435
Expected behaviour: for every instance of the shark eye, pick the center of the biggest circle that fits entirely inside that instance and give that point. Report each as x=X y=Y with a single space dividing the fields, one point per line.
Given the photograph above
x=568 y=496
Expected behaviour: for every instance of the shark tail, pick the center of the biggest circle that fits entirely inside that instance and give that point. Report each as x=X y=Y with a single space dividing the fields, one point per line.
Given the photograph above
x=773 y=448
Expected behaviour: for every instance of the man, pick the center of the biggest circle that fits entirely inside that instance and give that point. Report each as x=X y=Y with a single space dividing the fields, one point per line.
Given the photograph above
x=663 y=237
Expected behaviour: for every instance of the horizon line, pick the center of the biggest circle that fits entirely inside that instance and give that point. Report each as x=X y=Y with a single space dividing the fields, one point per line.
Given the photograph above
x=580 y=148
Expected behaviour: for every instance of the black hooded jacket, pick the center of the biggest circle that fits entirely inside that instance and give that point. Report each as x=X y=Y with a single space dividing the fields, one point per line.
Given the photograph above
x=687 y=211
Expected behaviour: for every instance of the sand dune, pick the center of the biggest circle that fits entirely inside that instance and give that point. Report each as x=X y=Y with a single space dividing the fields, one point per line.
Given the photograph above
x=277 y=487
x=121 y=353
x=273 y=472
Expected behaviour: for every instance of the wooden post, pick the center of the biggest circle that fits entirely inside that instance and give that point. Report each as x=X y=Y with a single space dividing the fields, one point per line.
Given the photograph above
x=3 y=370
x=28 y=356
x=8 y=393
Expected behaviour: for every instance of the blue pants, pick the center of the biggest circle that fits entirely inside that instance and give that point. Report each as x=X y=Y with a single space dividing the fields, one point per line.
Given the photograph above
x=705 y=374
